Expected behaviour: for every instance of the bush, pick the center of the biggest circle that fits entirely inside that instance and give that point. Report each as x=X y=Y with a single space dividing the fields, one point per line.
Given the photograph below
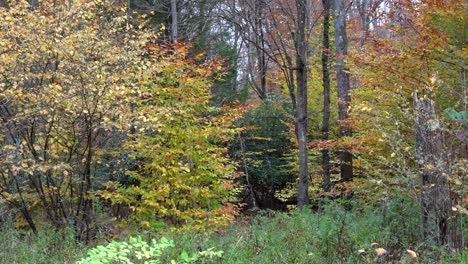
x=137 y=250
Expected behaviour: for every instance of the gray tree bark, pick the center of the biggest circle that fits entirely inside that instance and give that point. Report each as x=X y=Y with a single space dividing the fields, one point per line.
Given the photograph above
x=301 y=110
x=434 y=171
x=342 y=78
x=174 y=33
x=261 y=57
x=326 y=184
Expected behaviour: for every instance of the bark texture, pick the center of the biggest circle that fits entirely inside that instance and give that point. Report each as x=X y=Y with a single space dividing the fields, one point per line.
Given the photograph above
x=174 y=26
x=434 y=171
x=342 y=78
x=301 y=110
x=326 y=184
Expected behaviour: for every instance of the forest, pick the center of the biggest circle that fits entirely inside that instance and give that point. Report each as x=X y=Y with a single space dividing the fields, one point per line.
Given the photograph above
x=233 y=131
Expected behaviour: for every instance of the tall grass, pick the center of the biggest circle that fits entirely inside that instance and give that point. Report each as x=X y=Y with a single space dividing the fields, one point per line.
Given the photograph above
x=49 y=247
x=335 y=235
x=343 y=232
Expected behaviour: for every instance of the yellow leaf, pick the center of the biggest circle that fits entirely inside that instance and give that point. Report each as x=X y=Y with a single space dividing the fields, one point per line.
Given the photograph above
x=430 y=166
x=412 y=253
x=380 y=251
x=461 y=209
x=145 y=224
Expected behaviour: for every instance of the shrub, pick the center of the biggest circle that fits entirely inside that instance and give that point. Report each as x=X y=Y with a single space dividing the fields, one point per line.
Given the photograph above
x=137 y=250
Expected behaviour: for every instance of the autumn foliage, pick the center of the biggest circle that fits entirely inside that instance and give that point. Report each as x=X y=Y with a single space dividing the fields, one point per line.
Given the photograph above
x=182 y=170
x=80 y=81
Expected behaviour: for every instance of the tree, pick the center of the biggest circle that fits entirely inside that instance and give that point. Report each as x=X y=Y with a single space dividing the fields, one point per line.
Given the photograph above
x=250 y=20
x=404 y=111
x=81 y=80
x=182 y=173
x=301 y=109
x=262 y=150
x=435 y=195
x=174 y=26
x=326 y=93
x=283 y=39
x=64 y=73
x=366 y=10
x=342 y=78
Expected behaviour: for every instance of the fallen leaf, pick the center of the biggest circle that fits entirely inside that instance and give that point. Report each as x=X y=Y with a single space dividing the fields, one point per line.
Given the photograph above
x=412 y=253
x=380 y=251
x=461 y=209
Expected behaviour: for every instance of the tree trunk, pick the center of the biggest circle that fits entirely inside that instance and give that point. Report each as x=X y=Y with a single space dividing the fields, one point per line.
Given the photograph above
x=261 y=57
x=342 y=78
x=246 y=172
x=301 y=110
x=434 y=170
x=3 y=3
x=326 y=184
x=174 y=33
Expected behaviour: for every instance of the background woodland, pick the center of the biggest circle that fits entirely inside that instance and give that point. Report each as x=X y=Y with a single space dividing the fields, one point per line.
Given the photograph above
x=211 y=121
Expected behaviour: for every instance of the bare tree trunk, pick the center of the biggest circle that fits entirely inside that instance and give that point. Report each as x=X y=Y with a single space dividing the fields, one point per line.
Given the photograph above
x=434 y=171
x=326 y=184
x=236 y=61
x=24 y=208
x=3 y=3
x=301 y=110
x=253 y=14
x=261 y=57
x=246 y=171
x=174 y=32
x=342 y=78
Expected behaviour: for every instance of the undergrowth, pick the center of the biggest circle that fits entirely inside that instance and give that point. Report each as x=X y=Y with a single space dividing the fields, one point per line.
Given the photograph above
x=334 y=235
x=342 y=232
x=48 y=247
